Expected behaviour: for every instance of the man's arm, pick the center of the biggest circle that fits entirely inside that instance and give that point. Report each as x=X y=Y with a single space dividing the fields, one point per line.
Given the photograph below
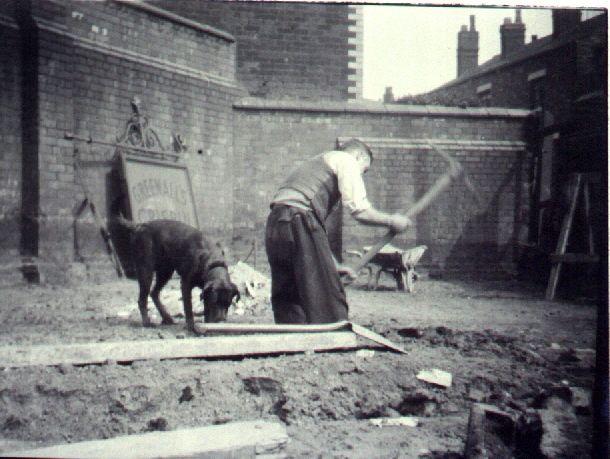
x=353 y=195
x=373 y=217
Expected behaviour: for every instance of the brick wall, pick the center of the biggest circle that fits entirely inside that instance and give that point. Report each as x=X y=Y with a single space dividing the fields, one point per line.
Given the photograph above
x=82 y=63
x=285 y=50
x=10 y=154
x=92 y=58
x=273 y=137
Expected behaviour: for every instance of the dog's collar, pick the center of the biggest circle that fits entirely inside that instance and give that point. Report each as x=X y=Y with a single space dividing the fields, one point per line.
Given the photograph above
x=216 y=264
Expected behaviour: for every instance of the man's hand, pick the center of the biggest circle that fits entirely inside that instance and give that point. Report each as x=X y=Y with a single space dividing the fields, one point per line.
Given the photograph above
x=399 y=223
x=346 y=272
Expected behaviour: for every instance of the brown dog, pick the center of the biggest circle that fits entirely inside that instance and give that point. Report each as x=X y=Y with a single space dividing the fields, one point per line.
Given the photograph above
x=163 y=247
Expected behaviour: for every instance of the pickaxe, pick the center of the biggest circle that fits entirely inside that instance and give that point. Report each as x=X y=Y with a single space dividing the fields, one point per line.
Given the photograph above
x=443 y=182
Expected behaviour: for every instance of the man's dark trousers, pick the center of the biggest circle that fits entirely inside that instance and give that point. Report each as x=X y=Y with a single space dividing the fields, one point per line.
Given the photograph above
x=305 y=285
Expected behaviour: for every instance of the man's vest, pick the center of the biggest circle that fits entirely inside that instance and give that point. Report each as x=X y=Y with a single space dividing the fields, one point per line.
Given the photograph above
x=315 y=180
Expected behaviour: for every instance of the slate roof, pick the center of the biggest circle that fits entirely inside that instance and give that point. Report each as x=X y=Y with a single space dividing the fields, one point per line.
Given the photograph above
x=532 y=49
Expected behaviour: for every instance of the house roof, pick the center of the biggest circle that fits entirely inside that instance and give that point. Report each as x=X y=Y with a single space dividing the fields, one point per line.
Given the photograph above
x=532 y=49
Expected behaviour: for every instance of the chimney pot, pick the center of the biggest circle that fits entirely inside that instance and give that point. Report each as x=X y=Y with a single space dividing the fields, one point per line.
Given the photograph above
x=512 y=35
x=534 y=37
x=518 y=16
x=467 y=48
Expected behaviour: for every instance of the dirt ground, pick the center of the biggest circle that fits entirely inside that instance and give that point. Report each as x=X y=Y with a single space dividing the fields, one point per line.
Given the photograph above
x=502 y=343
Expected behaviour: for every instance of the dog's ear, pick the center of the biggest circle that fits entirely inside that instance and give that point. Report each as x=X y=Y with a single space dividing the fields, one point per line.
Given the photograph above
x=202 y=260
x=209 y=293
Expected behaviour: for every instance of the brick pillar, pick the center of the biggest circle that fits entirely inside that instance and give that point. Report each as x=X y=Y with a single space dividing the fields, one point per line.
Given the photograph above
x=48 y=168
x=30 y=183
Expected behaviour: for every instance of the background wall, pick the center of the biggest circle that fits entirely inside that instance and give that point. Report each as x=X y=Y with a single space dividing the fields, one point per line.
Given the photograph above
x=75 y=67
x=273 y=137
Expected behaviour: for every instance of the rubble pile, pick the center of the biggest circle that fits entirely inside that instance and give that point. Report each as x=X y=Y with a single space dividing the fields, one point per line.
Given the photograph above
x=254 y=289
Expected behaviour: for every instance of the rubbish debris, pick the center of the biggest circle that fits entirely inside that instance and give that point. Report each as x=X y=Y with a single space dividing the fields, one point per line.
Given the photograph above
x=561 y=432
x=410 y=332
x=476 y=395
x=159 y=424
x=436 y=377
x=406 y=421
x=187 y=395
x=581 y=400
x=365 y=353
x=254 y=289
x=491 y=432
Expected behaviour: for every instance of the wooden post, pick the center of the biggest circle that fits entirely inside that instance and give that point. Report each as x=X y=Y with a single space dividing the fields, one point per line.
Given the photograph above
x=564 y=235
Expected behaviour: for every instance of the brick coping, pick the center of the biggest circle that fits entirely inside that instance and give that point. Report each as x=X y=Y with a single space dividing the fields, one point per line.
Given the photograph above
x=177 y=19
x=364 y=106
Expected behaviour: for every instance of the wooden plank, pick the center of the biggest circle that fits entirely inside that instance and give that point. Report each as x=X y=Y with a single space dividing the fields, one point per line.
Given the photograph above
x=214 y=346
x=254 y=437
x=368 y=334
x=225 y=327
x=562 y=243
x=302 y=328
x=574 y=258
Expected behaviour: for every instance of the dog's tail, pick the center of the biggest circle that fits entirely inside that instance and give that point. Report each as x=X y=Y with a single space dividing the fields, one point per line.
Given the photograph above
x=117 y=218
x=122 y=232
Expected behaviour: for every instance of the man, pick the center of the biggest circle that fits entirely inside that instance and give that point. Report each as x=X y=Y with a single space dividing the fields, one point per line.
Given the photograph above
x=305 y=282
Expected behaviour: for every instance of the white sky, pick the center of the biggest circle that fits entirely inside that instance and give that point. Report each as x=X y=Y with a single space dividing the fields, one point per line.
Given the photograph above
x=413 y=48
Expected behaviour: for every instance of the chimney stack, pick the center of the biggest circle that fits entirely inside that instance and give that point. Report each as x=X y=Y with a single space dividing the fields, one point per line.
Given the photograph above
x=512 y=35
x=468 y=48
x=388 y=96
x=565 y=20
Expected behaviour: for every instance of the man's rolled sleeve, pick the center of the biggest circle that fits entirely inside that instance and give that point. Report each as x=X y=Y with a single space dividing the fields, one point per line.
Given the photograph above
x=351 y=185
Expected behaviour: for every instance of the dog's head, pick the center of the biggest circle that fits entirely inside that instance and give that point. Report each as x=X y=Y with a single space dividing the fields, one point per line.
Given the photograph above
x=217 y=296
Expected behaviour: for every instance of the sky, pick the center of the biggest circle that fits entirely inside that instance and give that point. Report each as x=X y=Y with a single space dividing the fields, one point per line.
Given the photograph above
x=413 y=48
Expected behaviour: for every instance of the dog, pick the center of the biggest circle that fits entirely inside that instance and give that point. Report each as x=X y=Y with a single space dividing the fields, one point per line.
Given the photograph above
x=162 y=247
x=396 y=262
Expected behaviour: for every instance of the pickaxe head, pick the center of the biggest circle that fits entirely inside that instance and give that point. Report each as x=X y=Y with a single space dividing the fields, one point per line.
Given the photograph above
x=456 y=171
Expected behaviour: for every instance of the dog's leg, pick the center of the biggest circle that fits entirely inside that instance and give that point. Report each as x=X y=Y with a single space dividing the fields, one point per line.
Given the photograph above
x=185 y=285
x=144 y=280
x=163 y=276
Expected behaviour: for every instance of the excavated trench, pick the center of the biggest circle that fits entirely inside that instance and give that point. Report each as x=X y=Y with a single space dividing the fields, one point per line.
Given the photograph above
x=68 y=403
x=527 y=358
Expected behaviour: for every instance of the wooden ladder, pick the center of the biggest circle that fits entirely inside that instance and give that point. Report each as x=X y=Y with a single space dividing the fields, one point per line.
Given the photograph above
x=578 y=182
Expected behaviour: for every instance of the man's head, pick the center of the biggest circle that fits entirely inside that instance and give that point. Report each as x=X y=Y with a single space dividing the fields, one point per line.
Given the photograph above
x=361 y=151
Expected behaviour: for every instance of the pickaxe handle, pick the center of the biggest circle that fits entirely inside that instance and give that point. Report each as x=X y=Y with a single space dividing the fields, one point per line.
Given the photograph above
x=439 y=186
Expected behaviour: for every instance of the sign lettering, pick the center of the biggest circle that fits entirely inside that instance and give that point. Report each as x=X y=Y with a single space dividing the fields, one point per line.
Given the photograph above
x=158 y=191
